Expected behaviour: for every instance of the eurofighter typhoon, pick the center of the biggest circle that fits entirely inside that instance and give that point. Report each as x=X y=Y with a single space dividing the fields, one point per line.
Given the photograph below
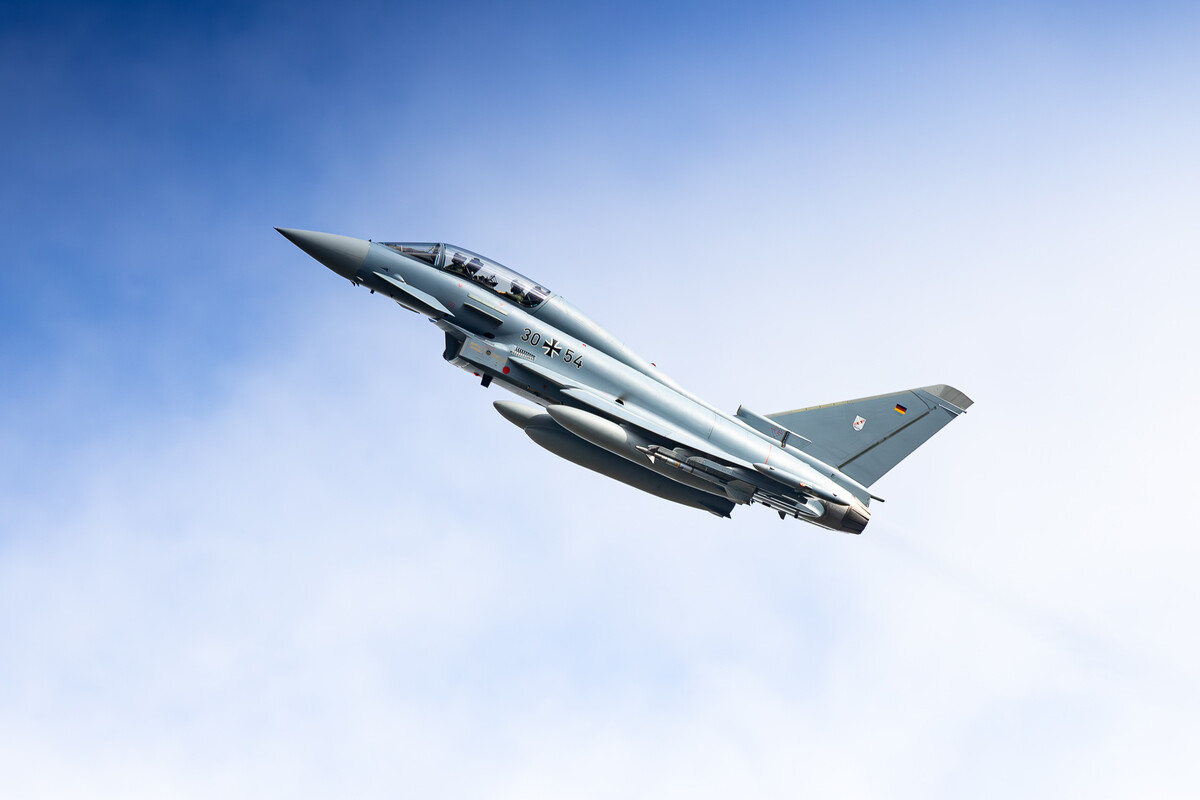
x=600 y=405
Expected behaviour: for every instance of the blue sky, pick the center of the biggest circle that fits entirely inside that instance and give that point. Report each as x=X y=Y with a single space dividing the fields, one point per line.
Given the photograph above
x=256 y=538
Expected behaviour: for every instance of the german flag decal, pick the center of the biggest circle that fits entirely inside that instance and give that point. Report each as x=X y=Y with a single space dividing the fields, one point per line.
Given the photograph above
x=901 y=409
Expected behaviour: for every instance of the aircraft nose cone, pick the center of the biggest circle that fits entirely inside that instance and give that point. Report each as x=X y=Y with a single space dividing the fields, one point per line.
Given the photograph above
x=342 y=254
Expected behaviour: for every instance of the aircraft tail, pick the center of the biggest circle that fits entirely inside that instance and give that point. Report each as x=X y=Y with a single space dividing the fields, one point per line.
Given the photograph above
x=867 y=437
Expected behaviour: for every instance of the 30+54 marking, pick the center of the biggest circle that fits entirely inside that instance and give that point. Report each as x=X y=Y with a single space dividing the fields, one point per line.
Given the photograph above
x=553 y=348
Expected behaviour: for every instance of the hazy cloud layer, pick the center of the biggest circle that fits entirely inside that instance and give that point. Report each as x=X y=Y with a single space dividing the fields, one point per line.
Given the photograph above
x=257 y=539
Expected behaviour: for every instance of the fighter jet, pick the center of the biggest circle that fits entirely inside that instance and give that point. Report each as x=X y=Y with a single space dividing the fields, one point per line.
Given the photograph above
x=595 y=402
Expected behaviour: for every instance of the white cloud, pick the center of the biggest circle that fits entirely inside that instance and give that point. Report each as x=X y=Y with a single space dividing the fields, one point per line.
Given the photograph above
x=345 y=574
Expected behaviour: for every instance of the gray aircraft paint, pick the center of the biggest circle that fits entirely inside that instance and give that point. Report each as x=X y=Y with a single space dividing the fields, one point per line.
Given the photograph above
x=605 y=401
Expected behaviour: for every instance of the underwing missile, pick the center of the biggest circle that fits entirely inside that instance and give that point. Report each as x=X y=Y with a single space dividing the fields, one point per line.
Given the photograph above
x=808 y=487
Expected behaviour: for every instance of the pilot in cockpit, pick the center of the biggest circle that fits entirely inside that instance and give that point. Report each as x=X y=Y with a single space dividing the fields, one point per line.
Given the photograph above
x=517 y=292
x=480 y=274
x=458 y=263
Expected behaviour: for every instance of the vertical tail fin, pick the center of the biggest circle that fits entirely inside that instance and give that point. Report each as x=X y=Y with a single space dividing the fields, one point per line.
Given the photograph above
x=867 y=437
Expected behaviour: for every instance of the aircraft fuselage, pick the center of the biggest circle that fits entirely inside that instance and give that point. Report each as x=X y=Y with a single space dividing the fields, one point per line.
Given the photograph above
x=601 y=398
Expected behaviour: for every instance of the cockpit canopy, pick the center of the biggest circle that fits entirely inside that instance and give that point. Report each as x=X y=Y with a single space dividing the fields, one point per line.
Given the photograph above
x=496 y=277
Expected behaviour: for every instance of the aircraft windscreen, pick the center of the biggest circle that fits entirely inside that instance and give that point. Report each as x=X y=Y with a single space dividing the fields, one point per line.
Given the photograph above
x=498 y=278
x=421 y=251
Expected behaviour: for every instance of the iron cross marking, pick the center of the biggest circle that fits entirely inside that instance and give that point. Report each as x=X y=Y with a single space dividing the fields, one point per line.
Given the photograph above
x=552 y=348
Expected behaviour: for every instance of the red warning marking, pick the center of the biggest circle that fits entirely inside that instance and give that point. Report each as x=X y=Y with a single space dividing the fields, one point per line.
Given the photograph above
x=505 y=370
